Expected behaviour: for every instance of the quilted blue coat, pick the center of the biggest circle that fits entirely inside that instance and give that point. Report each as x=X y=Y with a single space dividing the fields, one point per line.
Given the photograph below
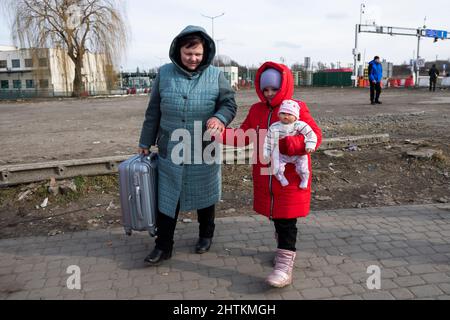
x=186 y=100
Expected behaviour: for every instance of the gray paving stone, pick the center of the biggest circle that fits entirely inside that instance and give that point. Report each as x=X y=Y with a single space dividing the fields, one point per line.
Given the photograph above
x=427 y=291
x=335 y=247
x=101 y=295
x=316 y=293
x=291 y=295
x=402 y=294
x=378 y=295
x=409 y=281
x=421 y=269
x=340 y=291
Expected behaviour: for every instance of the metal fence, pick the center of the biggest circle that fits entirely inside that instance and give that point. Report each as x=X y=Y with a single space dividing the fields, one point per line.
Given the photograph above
x=17 y=94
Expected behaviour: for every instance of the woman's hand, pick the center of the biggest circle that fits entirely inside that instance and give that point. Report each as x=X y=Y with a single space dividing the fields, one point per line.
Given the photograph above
x=143 y=151
x=215 y=126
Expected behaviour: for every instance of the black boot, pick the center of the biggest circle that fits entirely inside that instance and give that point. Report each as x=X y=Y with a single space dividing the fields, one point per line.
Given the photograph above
x=157 y=256
x=203 y=245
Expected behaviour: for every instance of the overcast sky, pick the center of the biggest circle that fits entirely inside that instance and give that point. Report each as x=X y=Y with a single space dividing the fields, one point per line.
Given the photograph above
x=256 y=31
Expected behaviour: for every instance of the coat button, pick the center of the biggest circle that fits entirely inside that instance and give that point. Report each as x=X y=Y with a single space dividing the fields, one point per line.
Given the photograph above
x=185 y=97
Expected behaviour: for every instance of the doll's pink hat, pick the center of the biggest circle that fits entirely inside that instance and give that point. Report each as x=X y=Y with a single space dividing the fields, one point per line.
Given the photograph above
x=290 y=107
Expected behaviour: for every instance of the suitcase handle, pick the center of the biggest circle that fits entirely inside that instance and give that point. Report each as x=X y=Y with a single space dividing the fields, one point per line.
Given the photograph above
x=138 y=203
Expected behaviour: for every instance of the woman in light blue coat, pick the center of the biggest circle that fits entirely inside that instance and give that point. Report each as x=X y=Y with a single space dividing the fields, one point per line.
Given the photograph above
x=189 y=96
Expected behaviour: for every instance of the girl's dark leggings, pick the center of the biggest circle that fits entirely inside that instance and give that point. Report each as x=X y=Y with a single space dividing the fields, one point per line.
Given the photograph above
x=286 y=230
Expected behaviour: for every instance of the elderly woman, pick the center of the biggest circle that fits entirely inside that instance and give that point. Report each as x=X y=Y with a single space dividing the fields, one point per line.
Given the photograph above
x=186 y=93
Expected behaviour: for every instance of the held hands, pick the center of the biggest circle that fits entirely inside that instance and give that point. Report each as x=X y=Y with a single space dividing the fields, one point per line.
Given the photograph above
x=215 y=127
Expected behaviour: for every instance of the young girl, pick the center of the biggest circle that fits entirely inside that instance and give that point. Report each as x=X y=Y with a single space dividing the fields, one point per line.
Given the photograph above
x=282 y=205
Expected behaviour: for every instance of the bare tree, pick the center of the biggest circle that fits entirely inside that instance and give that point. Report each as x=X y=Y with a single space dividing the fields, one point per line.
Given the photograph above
x=78 y=26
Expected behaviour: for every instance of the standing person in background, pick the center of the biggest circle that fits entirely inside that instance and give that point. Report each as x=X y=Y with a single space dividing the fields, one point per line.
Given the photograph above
x=434 y=74
x=375 y=77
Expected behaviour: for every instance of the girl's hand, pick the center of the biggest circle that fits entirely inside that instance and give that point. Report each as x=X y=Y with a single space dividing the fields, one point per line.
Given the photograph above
x=309 y=150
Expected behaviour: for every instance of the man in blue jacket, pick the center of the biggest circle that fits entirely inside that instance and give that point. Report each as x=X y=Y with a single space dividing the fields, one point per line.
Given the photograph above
x=375 y=76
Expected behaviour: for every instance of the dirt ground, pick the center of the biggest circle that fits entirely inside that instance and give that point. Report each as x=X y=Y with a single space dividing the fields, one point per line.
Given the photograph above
x=371 y=176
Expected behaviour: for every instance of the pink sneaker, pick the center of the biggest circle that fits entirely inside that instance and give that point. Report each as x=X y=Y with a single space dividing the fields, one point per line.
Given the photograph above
x=281 y=275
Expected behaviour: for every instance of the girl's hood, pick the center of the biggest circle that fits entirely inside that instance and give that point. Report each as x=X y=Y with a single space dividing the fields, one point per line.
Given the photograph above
x=286 y=91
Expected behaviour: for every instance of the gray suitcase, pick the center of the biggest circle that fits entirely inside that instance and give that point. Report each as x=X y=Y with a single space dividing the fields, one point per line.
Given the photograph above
x=138 y=193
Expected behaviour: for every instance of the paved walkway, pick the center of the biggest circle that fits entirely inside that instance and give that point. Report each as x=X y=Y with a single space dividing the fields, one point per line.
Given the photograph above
x=410 y=244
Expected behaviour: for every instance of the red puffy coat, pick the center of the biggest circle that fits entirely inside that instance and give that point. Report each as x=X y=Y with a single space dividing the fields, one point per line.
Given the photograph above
x=270 y=198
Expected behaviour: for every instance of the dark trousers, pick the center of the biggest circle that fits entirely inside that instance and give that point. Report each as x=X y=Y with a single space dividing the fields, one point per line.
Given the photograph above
x=166 y=227
x=433 y=84
x=375 y=91
x=286 y=230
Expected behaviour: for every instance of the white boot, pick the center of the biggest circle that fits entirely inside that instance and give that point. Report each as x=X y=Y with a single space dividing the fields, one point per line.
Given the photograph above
x=281 y=275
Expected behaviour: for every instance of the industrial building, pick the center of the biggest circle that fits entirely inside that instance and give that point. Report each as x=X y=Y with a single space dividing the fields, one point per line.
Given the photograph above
x=48 y=72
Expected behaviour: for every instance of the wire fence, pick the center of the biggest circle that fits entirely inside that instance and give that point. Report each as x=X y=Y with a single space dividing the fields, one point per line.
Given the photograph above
x=16 y=94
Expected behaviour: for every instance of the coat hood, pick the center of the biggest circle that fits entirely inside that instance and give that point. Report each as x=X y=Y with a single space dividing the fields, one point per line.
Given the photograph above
x=210 y=49
x=287 y=83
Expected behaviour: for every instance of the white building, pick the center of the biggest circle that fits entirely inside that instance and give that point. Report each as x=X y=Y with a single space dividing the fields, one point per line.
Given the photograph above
x=232 y=75
x=47 y=72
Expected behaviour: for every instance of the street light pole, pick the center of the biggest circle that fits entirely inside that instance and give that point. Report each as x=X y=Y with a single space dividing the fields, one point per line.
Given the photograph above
x=355 y=51
x=417 y=61
x=218 y=51
x=355 y=56
x=212 y=22
x=361 y=12
x=121 y=79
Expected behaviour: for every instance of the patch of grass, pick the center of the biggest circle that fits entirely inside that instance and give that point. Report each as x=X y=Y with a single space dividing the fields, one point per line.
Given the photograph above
x=85 y=185
x=79 y=182
x=106 y=183
x=6 y=194
x=441 y=160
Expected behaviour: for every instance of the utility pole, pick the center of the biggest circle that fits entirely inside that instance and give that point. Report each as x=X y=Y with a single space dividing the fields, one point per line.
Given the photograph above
x=361 y=12
x=417 y=61
x=212 y=22
x=419 y=31
x=218 y=52
x=355 y=50
x=121 y=79
x=355 y=57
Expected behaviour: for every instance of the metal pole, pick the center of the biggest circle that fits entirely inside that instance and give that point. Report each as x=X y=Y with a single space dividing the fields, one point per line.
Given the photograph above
x=361 y=12
x=218 y=51
x=212 y=22
x=417 y=61
x=355 y=57
x=121 y=79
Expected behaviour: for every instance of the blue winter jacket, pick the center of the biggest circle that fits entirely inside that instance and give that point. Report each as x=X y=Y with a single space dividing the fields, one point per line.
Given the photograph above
x=375 y=71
